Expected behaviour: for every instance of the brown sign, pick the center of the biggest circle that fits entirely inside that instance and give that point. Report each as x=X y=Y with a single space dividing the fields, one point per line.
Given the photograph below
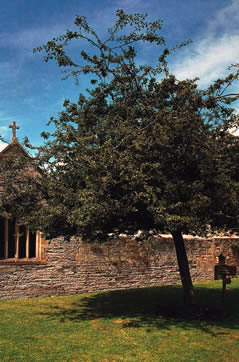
x=222 y=271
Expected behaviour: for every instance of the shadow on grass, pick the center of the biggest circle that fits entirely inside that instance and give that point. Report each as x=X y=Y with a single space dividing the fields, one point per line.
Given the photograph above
x=159 y=307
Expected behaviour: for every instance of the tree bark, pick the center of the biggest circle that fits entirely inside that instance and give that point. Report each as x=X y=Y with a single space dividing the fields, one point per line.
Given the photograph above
x=189 y=293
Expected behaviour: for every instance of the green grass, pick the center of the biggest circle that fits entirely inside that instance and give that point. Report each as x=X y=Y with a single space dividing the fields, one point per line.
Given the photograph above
x=129 y=325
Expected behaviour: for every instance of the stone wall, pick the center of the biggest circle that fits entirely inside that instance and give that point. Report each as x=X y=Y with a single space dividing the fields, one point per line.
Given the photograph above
x=73 y=267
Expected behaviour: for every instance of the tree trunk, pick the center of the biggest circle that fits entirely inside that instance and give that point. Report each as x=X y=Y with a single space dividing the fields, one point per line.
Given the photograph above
x=189 y=294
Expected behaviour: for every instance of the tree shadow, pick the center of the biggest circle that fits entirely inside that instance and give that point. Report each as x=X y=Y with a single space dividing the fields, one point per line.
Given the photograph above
x=159 y=307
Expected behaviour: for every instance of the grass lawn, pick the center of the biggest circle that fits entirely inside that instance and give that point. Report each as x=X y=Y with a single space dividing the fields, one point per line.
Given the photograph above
x=129 y=325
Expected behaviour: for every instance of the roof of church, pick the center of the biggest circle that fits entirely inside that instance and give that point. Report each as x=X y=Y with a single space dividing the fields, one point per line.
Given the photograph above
x=16 y=148
x=14 y=145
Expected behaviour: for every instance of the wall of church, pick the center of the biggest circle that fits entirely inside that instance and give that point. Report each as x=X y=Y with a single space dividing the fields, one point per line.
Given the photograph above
x=72 y=267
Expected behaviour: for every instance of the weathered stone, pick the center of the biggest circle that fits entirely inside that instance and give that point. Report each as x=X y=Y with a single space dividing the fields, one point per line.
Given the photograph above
x=71 y=268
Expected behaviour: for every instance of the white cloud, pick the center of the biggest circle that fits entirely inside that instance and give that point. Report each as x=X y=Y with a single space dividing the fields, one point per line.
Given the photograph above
x=218 y=48
x=226 y=18
x=209 y=60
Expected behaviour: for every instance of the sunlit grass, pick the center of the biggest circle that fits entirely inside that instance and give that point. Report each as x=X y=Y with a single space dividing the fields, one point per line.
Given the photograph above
x=129 y=325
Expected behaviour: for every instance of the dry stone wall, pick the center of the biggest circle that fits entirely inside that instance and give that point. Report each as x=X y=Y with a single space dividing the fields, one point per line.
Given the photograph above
x=74 y=267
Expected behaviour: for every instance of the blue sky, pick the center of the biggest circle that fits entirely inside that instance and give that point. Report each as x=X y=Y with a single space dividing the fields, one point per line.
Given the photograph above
x=32 y=91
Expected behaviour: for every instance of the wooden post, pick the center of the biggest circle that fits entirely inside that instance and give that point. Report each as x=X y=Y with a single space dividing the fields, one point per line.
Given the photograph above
x=224 y=291
x=223 y=271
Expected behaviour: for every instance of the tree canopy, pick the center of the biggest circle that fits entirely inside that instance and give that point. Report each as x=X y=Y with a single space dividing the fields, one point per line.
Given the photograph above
x=140 y=150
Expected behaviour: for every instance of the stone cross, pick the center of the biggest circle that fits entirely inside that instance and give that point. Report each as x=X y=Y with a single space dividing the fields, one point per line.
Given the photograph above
x=14 y=127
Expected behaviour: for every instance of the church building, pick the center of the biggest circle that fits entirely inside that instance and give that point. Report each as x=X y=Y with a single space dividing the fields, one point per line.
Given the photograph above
x=17 y=242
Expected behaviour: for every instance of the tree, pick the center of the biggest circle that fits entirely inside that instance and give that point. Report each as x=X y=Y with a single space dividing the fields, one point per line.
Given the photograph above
x=142 y=150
